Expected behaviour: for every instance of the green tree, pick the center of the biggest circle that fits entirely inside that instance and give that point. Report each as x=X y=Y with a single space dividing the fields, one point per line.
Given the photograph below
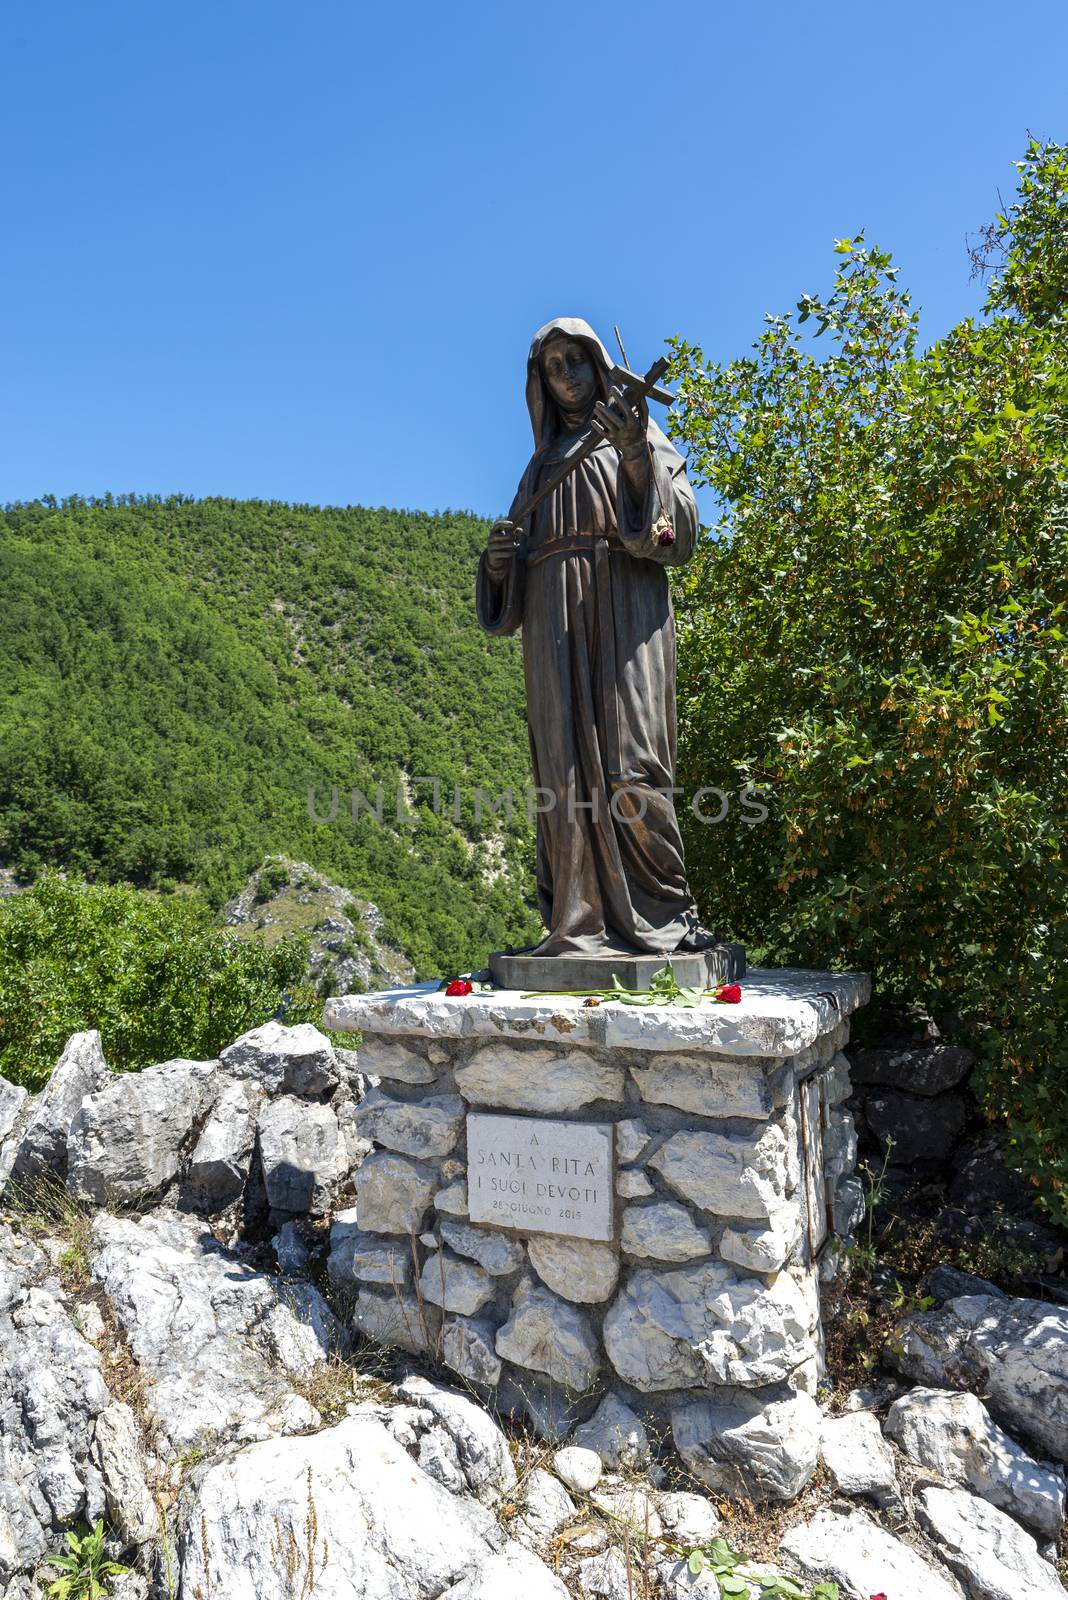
x=153 y=973
x=876 y=633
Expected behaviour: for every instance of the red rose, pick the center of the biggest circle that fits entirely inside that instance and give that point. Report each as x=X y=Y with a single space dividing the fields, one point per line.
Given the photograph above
x=878 y=1597
x=729 y=994
x=459 y=986
x=666 y=534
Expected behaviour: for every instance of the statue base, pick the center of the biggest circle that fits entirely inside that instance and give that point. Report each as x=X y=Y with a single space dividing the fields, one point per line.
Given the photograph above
x=707 y=969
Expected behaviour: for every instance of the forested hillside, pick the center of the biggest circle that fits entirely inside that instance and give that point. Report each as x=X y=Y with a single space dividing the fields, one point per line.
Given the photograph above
x=176 y=674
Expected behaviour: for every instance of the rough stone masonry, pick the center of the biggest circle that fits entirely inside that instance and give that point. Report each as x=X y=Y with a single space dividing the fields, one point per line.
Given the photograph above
x=731 y=1164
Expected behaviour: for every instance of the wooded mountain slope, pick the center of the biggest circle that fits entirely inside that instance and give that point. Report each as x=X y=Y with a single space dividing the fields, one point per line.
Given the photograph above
x=176 y=673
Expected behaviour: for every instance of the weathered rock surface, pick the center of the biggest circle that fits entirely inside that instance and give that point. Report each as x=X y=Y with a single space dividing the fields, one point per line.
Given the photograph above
x=857 y=1456
x=284 y=1060
x=579 y=1467
x=1016 y=1351
x=127 y=1140
x=769 y=1449
x=397 y=1318
x=222 y=1157
x=632 y=1184
x=454 y=1284
x=618 y=1436
x=14 y=1109
x=688 y=1519
x=469 y=1348
x=605 y=1577
x=664 y=1231
x=953 y=1435
x=360 y=1257
x=452 y=1200
x=717 y=1086
x=853 y=1551
x=117 y=1451
x=764 y=1249
x=422 y=1128
x=928 y=1071
x=993 y=1556
x=917 y=1132
x=511 y=1571
x=731 y=1175
x=393 y=1193
x=706 y=1325
x=537 y=1078
x=578 y=1269
x=52 y=1392
x=632 y=1504
x=302 y=1154
x=549 y=1335
x=344 y=1514
x=481 y=1447
x=399 y=1059
x=632 y=1136
x=546 y=1507
x=80 y=1070
x=495 y=1252
x=216 y=1341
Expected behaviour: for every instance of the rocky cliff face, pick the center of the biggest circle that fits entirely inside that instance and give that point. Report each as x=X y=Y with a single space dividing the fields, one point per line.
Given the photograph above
x=179 y=1360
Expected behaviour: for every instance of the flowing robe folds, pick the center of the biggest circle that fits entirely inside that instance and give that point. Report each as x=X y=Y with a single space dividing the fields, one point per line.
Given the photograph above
x=592 y=599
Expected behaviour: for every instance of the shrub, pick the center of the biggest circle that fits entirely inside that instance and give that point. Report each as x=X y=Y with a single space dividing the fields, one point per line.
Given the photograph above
x=877 y=635
x=152 y=973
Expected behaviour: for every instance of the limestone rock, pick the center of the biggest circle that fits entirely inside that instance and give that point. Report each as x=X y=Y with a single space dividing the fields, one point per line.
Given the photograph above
x=80 y=1070
x=454 y=1284
x=344 y=1514
x=219 y=1166
x=117 y=1450
x=215 y=1340
x=990 y=1552
x=848 y=1207
x=549 y=1335
x=298 y=1060
x=949 y=1283
x=616 y=1434
x=578 y=1269
x=481 y=1447
x=853 y=1551
x=495 y=1252
x=837 y=1081
x=706 y=1325
x=14 y=1110
x=537 y=1078
x=605 y=1577
x=360 y=1257
x=393 y=1193
x=857 y=1456
x=924 y=1132
x=952 y=1434
x=422 y=1128
x=52 y=1391
x=512 y=1571
x=579 y=1467
x=128 y=1139
x=452 y=1200
x=632 y=1184
x=839 y=1144
x=711 y=1086
x=664 y=1231
x=469 y=1348
x=400 y=1059
x=688 y=1519
x=731 y=1175
x=1017 y=1350
x=764 y=1249
x=768 y=1449
x=302 y=1154
x=397 y=1319
x=632 y=1136
x=632 y=1504
x=546 y=1507
x=291 y=1253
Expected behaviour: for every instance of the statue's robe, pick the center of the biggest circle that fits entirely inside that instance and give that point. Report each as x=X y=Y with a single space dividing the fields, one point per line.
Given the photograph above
x=592 y=599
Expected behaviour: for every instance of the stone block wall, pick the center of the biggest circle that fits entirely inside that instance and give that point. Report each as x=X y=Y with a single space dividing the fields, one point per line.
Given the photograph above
x=734 y=1169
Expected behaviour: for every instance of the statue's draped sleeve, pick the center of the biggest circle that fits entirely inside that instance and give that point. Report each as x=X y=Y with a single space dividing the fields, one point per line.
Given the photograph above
x=668 y=503
x=499 y=601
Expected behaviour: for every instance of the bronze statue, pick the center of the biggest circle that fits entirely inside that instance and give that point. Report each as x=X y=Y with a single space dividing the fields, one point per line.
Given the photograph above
x=583 y=575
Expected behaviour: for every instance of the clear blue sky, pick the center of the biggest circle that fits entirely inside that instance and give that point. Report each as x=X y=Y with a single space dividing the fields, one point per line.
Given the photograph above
x=297 y=251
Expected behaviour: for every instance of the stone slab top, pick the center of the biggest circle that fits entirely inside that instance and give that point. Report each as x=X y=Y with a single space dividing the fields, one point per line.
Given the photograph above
x=782 y=1011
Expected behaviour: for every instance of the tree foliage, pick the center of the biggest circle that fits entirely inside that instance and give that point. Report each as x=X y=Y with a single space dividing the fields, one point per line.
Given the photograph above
x=178 y=674
x=877 y=634
x=152 y=972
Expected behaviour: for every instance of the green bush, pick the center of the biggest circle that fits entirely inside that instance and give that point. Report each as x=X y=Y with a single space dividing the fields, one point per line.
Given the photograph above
x=152 y=973
x=876 y=634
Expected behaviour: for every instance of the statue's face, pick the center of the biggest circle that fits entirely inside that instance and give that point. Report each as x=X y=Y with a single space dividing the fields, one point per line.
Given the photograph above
x=568 y=371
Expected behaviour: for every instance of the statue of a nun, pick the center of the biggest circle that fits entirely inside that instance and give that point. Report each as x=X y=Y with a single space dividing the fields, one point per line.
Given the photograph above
x=585 y=580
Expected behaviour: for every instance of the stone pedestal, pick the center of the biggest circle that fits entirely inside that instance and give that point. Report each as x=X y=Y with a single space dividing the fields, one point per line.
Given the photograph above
x=691 y=1291
x=720 y=963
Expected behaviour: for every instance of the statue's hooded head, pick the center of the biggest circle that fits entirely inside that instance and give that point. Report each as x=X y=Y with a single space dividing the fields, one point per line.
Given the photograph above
x=549 y=369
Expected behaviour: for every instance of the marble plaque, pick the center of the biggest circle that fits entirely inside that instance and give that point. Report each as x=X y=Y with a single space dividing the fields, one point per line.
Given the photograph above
x=534 y=1175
